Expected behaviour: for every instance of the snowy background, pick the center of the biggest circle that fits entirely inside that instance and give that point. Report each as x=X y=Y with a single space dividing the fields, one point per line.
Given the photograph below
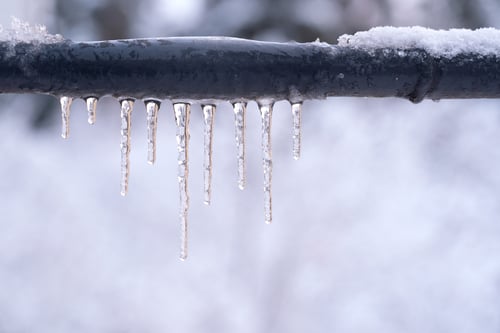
x=388 y=223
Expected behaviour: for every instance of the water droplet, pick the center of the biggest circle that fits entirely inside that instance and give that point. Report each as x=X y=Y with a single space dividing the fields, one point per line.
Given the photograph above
x=182 y=112
x=91 y=107
x=152 y=108
x=65 y=111
x=266 y=112
x=125 y=114
x=208 y=116
x=239 y=121
x=296 y=136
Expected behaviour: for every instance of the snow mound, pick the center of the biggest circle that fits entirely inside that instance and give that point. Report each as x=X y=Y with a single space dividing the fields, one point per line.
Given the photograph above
x=439 y=43
x=21 y=31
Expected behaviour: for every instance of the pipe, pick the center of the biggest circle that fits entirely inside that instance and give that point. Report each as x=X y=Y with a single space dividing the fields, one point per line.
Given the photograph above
x=221 y=68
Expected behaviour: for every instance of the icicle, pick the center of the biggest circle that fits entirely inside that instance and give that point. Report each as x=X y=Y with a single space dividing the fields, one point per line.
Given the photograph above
x=126 y=113
x=297 y=115
x=65 y=111
x=239 y=120
x=182 y=111
x=267 y=163
x=208 y=116
x=91 y=107
x=152 y=108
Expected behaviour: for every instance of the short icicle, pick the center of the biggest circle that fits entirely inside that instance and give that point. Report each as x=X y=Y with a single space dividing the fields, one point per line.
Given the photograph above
x=152 y=108
x=239 y=120
x=266 y=111
x=296 y=136
x=91 y=108
x=126 y=113
x=208 y=117
x=182 y=111
x=65 y=112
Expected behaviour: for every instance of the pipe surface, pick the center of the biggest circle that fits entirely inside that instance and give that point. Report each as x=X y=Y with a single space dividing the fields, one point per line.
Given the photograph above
x=221 y=68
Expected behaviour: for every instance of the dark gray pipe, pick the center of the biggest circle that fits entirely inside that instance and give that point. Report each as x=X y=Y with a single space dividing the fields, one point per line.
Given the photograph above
x=195 y=68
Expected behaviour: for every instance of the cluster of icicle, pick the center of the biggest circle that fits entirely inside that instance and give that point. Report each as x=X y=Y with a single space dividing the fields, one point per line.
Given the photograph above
x=182 y=114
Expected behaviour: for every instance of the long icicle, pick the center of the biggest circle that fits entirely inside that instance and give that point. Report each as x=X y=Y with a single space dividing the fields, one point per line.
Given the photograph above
x=239 y=120
x=208 y=117
x=125 y=114
x=182 y=111
x=266 y=112
x=91 y=108
x=65 y=112
x=152 y=108
x=296 y=135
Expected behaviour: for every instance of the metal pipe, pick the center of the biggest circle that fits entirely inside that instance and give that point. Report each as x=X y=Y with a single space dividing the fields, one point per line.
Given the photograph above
x=220 y=68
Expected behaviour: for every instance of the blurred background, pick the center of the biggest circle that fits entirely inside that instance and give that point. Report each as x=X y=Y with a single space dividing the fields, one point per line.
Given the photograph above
x=388 y=223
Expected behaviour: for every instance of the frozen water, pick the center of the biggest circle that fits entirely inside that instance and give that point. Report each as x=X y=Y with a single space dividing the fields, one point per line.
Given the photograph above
x=21 y=31
x=266 y=112
x=439 y=43
x=182 y=112
x=239 y=121
x=126 y=113
x=208 y=117
x=65 y=112
x=297 y=116
x=91 y=108
x=152 y=108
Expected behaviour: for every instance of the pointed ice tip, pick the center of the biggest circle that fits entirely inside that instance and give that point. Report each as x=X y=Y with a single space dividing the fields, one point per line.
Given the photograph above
x=64 y=136
x=241 y=186
x=151 y=162
x=206 y=202
x=268 y=222
x=183 y=256
x=123 y=193
x=296 y=157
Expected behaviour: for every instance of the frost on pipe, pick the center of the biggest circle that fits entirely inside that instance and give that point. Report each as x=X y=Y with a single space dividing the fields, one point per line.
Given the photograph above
x=412 y=63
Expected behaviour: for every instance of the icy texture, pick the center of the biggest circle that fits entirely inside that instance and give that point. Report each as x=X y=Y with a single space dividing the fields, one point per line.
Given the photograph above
x=152 y=108
x=65 y=112
x=126 y=113
x=91 y=108
x=296 y=136
x=182 y=111
x=208 y=117
x=239 y=122
x=266 y=112
x=21 y=31
x=439 y=43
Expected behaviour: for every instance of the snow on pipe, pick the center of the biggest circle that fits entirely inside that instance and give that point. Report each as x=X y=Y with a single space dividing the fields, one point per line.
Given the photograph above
x=208 y=69
x=229 y=69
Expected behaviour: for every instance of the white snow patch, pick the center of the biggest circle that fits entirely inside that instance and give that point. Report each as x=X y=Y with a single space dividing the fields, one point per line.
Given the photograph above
x=21 y=31
x=441 y=43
